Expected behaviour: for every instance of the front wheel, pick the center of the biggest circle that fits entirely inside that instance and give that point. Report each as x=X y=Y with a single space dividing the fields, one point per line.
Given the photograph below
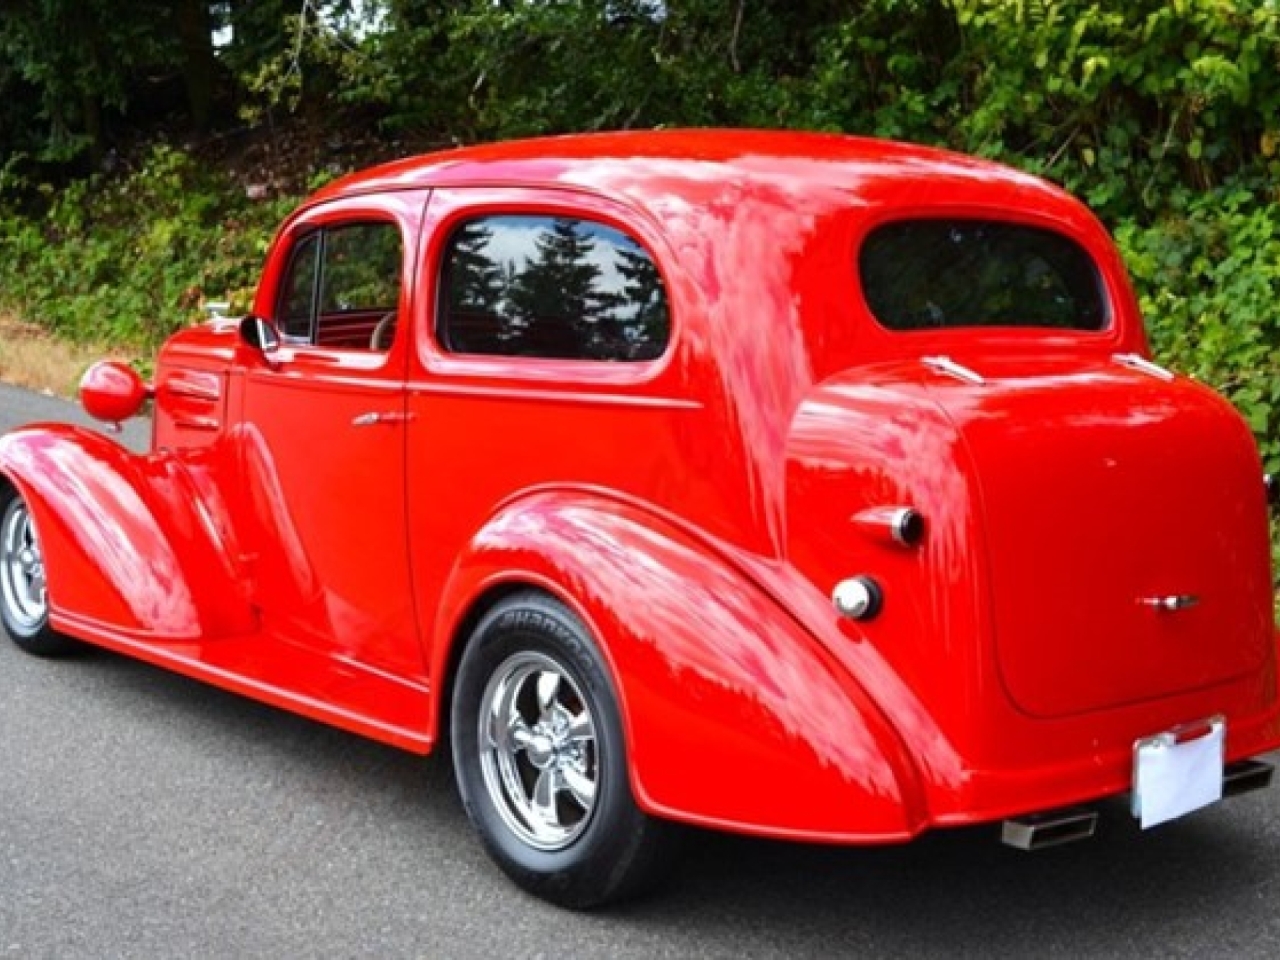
x=24 y=598
x=540 y=759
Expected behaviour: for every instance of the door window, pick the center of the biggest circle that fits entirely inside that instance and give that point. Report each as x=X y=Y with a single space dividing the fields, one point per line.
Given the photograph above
x=343 y=287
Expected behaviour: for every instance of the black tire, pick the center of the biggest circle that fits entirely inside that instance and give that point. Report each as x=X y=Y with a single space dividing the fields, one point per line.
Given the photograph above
x=595 y=846
x=24 y=604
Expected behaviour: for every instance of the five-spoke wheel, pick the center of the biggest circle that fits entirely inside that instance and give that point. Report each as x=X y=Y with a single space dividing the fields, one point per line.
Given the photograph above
x=538 y=751
x=541 y=760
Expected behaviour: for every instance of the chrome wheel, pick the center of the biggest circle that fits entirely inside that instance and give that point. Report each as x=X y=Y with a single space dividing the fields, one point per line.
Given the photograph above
x=541 y=759
x=22 y=579
x=537 y=742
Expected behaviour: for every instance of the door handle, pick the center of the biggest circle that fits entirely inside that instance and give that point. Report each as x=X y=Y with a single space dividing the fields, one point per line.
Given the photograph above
x=374 y=418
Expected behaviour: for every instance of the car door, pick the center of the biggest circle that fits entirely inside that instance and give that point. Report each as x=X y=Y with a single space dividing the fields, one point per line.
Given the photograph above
x=322 y=437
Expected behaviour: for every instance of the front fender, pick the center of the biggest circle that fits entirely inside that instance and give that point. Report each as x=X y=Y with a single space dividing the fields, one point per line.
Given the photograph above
x=735 y=716
x=132 y=544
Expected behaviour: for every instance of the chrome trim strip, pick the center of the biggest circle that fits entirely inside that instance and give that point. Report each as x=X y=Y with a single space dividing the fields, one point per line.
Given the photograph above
x=191 y=391
x=204 y=424
x=536 y=394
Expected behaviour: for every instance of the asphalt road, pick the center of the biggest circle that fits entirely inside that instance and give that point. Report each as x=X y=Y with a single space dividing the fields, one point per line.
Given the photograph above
x=143 y=815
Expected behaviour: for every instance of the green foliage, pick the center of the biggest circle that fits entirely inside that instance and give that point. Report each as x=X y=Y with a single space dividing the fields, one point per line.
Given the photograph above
x=66 y=63
x=1130 y=105
x=1208 y=276
x=130 y=260
x=1161 y=114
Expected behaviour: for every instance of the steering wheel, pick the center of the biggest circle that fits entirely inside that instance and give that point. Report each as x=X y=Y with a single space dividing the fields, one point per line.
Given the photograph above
x=384 y=334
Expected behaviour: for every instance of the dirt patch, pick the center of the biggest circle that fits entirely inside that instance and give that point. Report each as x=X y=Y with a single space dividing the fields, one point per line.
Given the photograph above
x=30 y=357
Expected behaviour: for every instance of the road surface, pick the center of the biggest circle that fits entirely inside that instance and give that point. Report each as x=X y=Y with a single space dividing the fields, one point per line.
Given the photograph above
x=144 y=815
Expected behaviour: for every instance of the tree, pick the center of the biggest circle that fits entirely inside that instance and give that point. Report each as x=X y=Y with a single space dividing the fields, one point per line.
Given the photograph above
x=87 y=61
x=194 y=22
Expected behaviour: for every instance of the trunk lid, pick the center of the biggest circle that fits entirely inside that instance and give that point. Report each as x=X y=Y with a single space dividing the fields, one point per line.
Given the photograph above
x=1125 y=531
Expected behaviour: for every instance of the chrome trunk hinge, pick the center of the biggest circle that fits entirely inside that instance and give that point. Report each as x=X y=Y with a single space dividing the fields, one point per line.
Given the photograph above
x=951 y=368
x=1135 y=362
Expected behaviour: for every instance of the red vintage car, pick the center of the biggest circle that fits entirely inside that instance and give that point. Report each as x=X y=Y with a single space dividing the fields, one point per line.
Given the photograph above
x=797 y=485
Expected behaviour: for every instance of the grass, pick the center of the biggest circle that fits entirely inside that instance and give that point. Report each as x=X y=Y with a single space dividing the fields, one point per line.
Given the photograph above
x=30 y=357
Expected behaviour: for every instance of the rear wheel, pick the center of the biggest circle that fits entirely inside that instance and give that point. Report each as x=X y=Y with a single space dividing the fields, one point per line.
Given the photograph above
x=24 y=597
x=540 y=759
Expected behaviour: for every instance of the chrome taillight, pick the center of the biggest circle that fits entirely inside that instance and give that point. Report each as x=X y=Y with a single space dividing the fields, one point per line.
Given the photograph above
x=903 y=526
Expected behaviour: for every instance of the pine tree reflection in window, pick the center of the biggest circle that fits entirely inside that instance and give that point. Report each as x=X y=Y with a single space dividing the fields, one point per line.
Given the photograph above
x=556 y=287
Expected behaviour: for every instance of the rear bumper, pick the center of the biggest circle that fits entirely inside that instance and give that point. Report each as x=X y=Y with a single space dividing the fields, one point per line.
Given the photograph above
x=1104 y=768
x=1055 y=827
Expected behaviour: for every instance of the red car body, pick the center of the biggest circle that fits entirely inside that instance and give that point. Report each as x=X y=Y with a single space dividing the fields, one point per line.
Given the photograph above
x=321 y=526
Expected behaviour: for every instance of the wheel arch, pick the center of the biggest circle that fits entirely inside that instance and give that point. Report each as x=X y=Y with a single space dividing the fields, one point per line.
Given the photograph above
x=459 y=635
x=720 y=690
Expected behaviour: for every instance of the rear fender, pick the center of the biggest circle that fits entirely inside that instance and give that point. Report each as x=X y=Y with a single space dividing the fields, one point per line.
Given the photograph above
x=133 y=545
x=735 y=716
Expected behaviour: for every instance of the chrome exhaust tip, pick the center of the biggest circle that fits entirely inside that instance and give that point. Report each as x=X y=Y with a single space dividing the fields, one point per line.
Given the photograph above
x=1037 y=831
x=1245 y=776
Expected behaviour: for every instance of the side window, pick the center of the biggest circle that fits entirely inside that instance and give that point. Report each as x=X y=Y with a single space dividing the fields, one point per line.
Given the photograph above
x=361 y=268
x=343 y=287
x=551 y=287
x=297 y=298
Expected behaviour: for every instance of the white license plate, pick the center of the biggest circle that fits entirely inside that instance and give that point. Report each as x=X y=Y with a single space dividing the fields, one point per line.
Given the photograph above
x=1178 y=771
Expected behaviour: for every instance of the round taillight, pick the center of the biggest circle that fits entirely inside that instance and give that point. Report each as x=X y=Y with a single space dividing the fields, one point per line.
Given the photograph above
x=858 y=598
x=112 y=391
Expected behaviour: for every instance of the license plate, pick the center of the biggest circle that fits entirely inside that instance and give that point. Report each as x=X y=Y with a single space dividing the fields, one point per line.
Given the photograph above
x=1178 y=771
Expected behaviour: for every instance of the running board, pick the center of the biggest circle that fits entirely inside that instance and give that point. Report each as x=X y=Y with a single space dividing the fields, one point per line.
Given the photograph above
x=1038 y=831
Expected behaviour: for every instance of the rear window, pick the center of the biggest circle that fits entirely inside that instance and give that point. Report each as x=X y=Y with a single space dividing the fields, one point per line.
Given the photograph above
x=931 y=274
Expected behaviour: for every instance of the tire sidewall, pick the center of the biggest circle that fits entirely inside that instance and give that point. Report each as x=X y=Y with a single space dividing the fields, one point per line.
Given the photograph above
x=41 y=640
x=23 y=636
x=530 y=624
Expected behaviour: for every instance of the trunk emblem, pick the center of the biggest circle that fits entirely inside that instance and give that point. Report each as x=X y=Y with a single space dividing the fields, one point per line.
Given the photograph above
x=1172 y=603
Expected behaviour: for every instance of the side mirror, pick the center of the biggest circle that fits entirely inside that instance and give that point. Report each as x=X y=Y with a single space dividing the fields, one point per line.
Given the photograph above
x=260 y=334
x=112 y=391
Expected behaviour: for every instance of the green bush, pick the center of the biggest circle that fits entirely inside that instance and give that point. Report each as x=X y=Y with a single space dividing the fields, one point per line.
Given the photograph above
x=1161 y=114
x=131 y=259
x=1208 y=276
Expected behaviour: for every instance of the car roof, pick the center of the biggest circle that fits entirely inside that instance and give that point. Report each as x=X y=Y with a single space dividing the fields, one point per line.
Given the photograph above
x=649 y=166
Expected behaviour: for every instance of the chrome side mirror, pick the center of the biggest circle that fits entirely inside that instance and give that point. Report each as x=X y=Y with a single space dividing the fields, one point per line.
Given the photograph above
x=260 y=334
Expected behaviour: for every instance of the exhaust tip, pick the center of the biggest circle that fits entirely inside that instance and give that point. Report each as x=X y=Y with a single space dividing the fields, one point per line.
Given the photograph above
x=1245 y=776
x=1038 y=831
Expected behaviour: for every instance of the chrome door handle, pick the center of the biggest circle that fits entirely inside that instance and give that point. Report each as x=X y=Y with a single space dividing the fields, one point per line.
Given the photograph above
x=373 y=418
